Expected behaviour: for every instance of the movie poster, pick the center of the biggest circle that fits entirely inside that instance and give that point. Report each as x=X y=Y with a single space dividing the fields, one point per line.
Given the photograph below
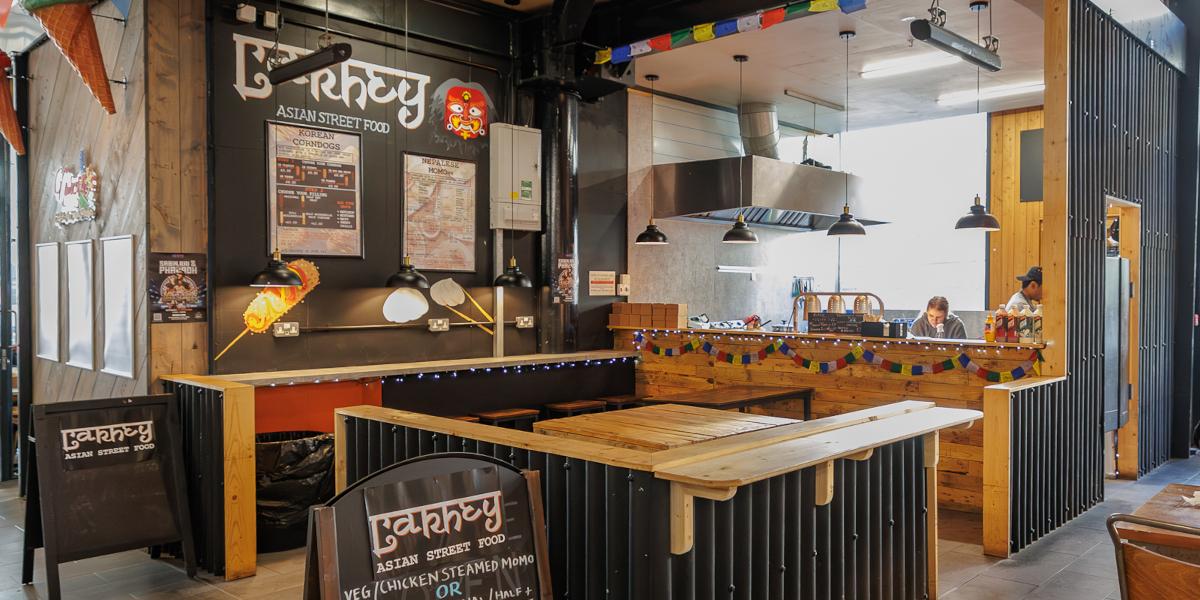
x=178 y=288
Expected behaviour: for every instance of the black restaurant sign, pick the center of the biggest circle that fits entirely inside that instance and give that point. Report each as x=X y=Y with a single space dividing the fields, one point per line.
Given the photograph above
x=451 y=526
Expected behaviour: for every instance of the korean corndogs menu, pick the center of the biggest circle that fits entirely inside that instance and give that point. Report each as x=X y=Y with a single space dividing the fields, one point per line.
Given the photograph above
x=460 y=530
x=315 y=190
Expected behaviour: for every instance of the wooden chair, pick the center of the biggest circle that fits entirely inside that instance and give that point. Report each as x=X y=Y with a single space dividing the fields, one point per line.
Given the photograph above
x=574 y=407
x=1148 y=575
x=512 y=418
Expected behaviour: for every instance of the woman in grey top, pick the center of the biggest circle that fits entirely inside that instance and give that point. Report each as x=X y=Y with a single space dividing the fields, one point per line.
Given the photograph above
x=938 y=322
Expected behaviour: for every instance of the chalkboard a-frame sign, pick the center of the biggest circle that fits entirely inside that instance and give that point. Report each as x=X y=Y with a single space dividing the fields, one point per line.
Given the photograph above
x=442 y=527
x=112 y=473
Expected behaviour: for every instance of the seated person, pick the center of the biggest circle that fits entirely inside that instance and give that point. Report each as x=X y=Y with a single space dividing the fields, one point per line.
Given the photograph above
x=938 y=322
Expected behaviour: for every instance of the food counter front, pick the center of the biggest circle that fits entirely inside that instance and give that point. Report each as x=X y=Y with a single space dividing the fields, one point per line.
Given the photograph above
x=848 y=373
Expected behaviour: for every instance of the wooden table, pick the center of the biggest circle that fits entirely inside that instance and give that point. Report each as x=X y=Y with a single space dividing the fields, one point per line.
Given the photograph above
x=657 y=427
x=1167 y=505
x=738 y=397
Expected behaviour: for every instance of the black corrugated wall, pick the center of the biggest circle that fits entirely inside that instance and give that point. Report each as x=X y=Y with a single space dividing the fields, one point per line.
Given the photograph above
x=1122 y=143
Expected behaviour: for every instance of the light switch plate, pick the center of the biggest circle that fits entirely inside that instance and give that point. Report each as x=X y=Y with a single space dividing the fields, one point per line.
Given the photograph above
x=247 y=13
x=286 y=329
x=439 y=325
x=525 y=322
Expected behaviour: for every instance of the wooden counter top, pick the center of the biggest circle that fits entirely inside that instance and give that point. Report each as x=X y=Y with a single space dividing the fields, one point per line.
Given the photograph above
x=819 y=337
x=273 y=378
x=658 y=427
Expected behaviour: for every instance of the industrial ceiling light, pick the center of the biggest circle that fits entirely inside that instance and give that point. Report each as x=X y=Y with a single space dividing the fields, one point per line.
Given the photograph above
x=652 y=236
x=933 y=31
x=326 y=56
x=846 y=223
x=978 y=218
x=907 y=64
x=740 y=233
x=276 y=274
x=408 y=276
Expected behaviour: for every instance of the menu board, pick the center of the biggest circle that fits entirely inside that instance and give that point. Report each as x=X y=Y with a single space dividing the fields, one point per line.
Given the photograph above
x=439 y=213
x=835 y=323
x=442 y=526
x=315 y=191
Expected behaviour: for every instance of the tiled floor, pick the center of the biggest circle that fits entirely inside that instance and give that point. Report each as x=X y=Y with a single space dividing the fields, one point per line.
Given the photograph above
x=1075 y=562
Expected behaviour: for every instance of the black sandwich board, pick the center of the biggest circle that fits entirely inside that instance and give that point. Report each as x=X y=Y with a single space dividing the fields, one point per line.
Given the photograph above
x=441 y=527
x=107 y=477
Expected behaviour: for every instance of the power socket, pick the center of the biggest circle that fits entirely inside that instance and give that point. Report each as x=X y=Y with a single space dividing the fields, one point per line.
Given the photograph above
x=439 y=325
x=286 y=329
x=525 y=322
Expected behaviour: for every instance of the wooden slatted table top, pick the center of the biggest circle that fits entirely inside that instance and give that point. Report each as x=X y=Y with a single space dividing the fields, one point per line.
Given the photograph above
x=658 y=427
x=731 y=396
x=1167 y=505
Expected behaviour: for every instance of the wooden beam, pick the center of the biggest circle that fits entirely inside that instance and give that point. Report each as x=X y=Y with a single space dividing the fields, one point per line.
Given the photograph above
x=339 y=453
x=240 y=497
x=997 y=454
x=1055 y=323
x=683 y=512
x=1131 y=248
x=931 y=443
x=824 y=485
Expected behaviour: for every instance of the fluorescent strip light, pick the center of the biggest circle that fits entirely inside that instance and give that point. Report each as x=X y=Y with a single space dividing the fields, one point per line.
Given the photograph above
x=992 y=93
x=907 y=64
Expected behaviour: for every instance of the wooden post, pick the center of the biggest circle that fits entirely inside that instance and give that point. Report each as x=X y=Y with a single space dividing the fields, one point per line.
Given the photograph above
x=1131 y=248
x=930 y=443
x=683 y=513
x=997 y=454
x=1054 y=190
x=240 y=516
x=339 y=452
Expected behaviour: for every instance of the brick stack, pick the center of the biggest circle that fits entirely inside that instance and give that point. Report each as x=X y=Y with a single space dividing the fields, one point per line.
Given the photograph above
x=649 y=316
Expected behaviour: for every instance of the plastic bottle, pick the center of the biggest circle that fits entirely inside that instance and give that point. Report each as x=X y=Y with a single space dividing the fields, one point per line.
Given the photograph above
x=1037 y=324
x=1013 y=330
x=1001 y=324
x=1026 y=326
x=989 y=329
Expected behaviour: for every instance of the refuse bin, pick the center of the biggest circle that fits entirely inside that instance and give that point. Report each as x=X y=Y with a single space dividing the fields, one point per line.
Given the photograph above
x=293 y=471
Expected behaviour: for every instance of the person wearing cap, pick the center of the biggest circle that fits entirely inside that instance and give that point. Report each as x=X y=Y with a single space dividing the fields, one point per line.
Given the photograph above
x=938 y=322
x=1030 y=293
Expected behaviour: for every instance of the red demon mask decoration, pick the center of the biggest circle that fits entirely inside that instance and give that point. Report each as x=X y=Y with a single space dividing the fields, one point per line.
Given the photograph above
x=466 y=113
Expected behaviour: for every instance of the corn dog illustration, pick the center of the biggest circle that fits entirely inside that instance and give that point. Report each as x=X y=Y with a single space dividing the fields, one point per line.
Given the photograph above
x=272 y=303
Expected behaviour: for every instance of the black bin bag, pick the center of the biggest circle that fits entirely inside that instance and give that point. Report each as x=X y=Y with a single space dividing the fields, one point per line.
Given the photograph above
x=293 y=471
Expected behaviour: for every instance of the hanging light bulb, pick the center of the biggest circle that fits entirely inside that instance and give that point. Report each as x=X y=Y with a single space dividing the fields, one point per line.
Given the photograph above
x=978 y=218
x=846 y=224
x=740 y=233
x=652 y=236
x=276 y=274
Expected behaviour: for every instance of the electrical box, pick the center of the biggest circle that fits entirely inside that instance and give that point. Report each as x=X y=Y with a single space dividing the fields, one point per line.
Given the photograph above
x=515 y=155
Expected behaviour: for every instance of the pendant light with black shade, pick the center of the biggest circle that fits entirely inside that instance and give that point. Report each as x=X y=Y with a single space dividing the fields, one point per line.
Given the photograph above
x=846 y=223
x=407 y=276
x=652 y=236
x=740 y=233
x=512 y=277
x=979 y=217
x=276 y=274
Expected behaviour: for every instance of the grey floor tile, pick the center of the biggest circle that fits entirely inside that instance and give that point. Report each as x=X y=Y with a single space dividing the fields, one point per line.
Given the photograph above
x=984 y=587
x=1031 y=566
x=1068 y=585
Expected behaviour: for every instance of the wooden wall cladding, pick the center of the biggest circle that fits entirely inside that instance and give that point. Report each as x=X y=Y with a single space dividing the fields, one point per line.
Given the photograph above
x=960 y=471
x=64 y=118
x=1017 y=246
x=176 y=147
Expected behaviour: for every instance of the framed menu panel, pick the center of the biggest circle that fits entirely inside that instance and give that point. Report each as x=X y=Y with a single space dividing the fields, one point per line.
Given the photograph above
x=47 y=301
x=81 y=350
x=116 y=277
x=439 y=213
x=315 y=193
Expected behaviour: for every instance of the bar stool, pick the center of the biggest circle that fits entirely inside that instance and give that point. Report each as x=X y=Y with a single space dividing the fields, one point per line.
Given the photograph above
x=574 y=407
x=511 y=418
x=621 y=402
x=467 y=418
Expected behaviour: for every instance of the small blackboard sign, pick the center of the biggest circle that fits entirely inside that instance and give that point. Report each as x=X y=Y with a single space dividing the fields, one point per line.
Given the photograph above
x=446 y=526
x=835 y=323
x=116 y=470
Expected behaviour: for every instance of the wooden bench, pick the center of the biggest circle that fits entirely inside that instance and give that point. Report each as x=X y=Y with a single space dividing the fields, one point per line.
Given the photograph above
x=574 y=407
x=622 y=402
x=738 y=397
x=511 y=418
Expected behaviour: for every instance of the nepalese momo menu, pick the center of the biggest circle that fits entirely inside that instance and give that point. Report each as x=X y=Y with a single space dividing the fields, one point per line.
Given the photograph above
x=456 y=535
x=315 y=190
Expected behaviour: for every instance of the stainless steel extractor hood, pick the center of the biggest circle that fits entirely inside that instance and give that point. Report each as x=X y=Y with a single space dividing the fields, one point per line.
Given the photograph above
x=774 y=193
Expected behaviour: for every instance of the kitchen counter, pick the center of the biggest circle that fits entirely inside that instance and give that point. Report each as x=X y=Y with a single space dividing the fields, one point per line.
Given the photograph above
x=837 y=338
